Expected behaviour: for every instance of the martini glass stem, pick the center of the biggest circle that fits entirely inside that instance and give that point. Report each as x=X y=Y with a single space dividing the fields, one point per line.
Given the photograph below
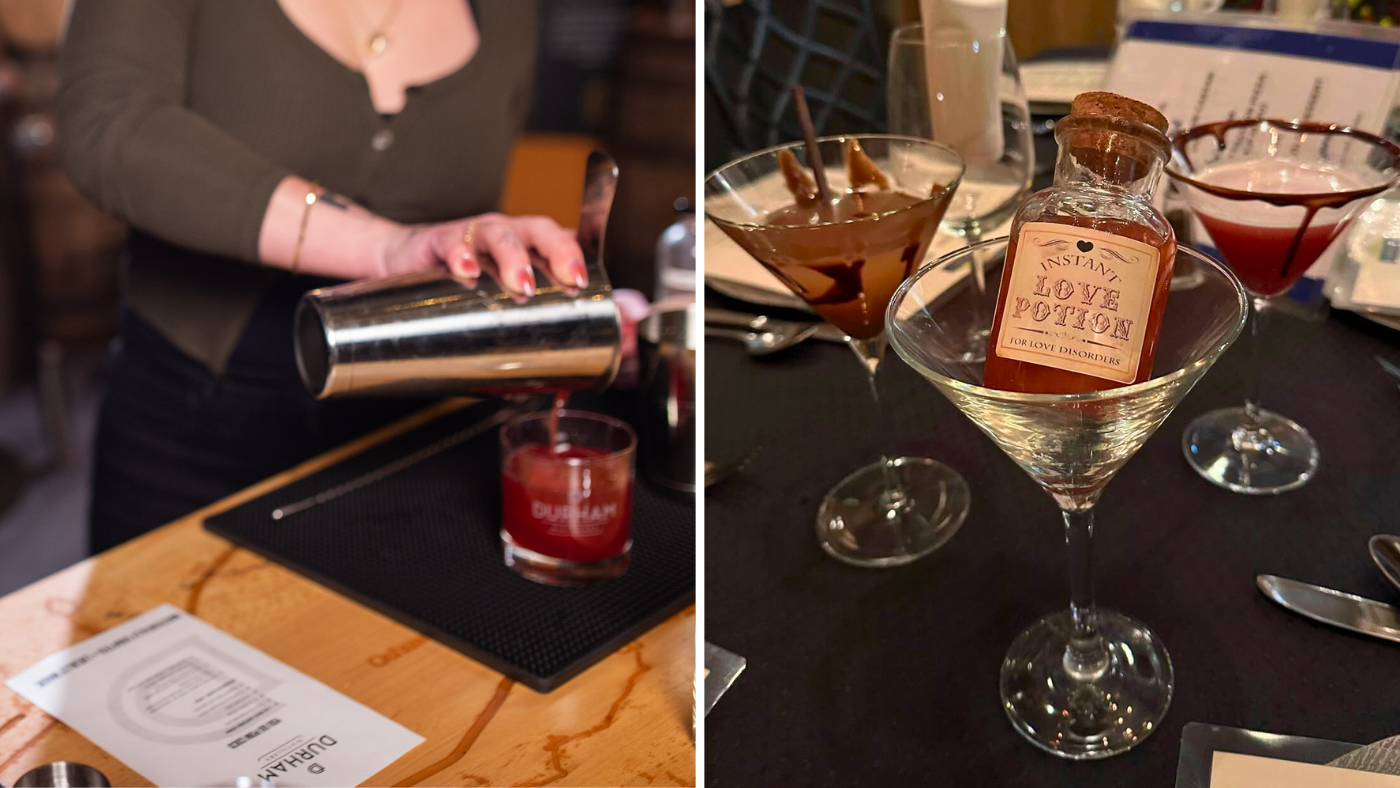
x=1086 y=657
x=980 y=320
x=892 y=496
x=979 y=276
x=871 y=352
x=1257 y=324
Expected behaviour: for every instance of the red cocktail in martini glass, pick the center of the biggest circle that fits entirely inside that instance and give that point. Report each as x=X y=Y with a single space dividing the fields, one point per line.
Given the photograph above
x=1273 y=195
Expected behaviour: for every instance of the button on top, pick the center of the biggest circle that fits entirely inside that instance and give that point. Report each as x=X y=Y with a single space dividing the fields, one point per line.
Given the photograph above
x=381 y=140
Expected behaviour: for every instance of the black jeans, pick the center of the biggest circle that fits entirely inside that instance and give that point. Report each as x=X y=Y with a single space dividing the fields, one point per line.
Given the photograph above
x=174 y=437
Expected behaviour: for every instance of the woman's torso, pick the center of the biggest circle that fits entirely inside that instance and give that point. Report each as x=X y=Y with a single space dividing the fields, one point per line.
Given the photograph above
x=394 y=44
x=261 y=79
x=258 y=77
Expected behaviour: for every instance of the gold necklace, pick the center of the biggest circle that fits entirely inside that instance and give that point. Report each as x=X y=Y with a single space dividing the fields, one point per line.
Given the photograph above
x=378 y=39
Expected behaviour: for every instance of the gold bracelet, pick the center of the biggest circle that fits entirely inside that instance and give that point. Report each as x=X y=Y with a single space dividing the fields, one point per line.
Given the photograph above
x=311 y=197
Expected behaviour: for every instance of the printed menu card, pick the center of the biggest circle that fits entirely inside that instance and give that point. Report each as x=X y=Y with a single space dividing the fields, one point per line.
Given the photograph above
x=1231 y=770
x=183 y=703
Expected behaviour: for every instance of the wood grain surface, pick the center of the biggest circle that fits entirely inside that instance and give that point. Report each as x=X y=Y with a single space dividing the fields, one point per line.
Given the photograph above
x=625 y=721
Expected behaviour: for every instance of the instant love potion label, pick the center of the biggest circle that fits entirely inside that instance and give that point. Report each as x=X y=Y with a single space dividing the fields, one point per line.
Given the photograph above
x=1078 y=300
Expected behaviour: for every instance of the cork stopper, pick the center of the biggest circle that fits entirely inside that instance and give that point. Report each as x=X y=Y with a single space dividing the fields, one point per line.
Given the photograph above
x=1115 y=106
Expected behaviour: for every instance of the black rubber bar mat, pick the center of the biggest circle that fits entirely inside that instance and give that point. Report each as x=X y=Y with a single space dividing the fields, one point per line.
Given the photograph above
x=422 y=546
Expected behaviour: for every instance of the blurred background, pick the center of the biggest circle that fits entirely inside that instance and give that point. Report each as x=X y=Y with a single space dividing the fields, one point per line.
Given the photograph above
x=617 y=74
x=755 y=50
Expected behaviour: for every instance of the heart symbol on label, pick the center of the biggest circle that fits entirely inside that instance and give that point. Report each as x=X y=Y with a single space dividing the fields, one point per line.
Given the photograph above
x=1084 y=246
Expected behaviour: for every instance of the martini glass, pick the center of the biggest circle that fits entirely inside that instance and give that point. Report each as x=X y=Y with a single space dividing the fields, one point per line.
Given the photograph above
x=846 y=267
x=1273 y=195
x=1084 y=683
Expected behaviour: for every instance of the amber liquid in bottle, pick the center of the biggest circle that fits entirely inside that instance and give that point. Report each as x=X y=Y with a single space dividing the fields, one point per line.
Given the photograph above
x=1088 y=267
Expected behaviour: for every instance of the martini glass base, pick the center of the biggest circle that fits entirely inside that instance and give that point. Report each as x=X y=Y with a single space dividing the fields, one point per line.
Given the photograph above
x=1086 y=717
x=1273 y=456
x=860 y=524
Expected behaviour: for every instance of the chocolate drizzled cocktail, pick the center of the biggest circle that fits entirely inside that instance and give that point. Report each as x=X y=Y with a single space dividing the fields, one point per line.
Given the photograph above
x=1273 y=194
x=845 y=256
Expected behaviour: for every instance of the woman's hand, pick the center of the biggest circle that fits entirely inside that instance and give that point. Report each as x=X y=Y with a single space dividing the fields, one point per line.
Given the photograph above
x=467 y=247
x=332 y=236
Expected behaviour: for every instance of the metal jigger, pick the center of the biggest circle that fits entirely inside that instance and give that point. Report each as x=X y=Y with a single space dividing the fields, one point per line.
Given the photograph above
x=63 y=774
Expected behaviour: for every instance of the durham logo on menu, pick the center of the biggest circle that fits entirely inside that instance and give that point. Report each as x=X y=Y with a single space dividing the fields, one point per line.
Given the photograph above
x=1078 y=300
x=303 y=754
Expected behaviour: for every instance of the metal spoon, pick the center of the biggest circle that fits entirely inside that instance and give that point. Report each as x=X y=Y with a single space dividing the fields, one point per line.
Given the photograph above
x=1385 y=551
x=761 y=343
x=1389 y=367
x=715 y=316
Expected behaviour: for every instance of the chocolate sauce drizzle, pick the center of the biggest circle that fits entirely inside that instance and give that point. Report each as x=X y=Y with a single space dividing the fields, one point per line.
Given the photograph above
x=908 y=258
x=845 y=283
x=1311 y=203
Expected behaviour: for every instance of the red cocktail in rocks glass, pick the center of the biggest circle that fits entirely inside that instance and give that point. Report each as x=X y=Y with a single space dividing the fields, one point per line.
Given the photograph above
x=566 y=501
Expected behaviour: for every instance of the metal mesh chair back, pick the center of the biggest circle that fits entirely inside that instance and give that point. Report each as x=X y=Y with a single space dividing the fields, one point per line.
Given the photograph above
x=757 y=50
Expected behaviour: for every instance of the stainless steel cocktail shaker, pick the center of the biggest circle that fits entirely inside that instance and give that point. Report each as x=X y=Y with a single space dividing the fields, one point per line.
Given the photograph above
x=429 y=334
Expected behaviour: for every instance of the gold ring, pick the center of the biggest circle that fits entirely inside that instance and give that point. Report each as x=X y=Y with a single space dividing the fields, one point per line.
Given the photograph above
x=469 y=236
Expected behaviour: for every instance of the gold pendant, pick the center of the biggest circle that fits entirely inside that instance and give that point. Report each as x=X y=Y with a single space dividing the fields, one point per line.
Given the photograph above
x=377 y=44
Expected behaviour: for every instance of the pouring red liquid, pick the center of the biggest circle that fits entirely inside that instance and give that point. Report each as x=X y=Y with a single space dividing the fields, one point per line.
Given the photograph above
x=561 y=398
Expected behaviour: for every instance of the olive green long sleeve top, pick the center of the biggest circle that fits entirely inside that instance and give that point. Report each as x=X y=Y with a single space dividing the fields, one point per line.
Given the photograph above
x=182 y=116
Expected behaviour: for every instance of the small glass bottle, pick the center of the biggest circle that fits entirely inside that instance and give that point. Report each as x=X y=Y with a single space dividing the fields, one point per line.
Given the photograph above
x=1089 y=264
x=675 y=256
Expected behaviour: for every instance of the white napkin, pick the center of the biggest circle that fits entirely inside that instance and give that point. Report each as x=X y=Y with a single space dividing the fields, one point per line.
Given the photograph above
x=963 y=57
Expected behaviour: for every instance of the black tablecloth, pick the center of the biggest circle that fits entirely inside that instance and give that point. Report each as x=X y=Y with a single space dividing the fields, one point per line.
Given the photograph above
x=889 y=677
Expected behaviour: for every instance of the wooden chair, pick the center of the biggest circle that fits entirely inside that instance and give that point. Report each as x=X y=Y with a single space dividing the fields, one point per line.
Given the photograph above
x=545 y=176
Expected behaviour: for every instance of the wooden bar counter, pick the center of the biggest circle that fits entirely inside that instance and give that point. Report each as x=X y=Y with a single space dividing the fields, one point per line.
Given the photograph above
x=625 y=721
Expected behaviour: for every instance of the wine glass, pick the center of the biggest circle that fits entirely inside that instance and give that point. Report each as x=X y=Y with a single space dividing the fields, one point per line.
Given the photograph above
x=846 y=267
x=1086 y=683
x=1273 y=195
x=952 y=87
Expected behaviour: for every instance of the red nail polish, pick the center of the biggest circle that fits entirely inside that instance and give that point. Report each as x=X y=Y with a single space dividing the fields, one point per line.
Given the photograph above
x=527 y=282
x=580 y=275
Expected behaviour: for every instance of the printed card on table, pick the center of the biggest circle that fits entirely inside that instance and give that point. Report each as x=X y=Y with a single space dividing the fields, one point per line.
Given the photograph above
x=1231 y=770
x=1201 y=68
x=183 y=703
x=1236 y=67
